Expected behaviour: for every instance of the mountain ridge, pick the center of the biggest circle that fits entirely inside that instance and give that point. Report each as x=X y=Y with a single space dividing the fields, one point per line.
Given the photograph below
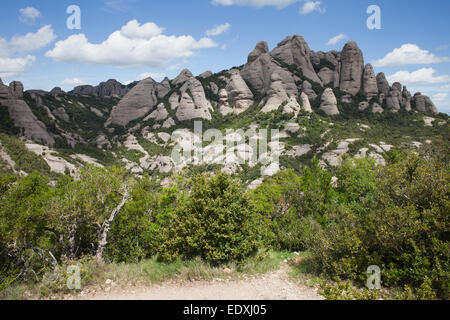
x=291 y=86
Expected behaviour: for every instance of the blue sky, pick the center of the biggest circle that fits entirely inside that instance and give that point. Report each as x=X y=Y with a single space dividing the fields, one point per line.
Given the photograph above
x=130 y=39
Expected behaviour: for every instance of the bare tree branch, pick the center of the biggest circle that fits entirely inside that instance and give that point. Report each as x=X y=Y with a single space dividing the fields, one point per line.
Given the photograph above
x=107 y=225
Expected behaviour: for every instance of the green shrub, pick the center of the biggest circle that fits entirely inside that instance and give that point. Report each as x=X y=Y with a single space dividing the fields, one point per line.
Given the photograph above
x=403 y=229
x=216 y=221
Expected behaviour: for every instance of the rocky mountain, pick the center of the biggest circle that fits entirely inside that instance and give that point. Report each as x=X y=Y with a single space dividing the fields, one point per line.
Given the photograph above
x=326 y=104
x=12 y=97
x=110 y=88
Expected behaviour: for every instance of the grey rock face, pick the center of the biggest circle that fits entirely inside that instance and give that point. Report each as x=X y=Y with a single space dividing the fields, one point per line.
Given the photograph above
x=329 y=102
x=307 y=88
x=163 y=88
x=294 y=50
x=394 y=97
x=363 y=106
x=376 y=108
x=110 y=88
x=159 y=114
x=136 y=103
x=259 y=68
x=206 y=74
x=406 y=99
x=370 y=86
x=4 y=92
x=352 y=67
x=424 y=104
x=56 y=91
x=306 y=105
x=277 y=95
x=397 y=86
x=184 y=76
x=326 y=75
x=193 y=103
x=83 y=90
x=61 y=114
x=224 y=106
x=383 y=84
x=16 y=90
x=214 y=88
x=22 y=115
x=238 y=91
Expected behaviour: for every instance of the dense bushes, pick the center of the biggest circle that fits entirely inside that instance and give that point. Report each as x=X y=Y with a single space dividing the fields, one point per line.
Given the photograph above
x=396 y=217
x=106 y=214
x=357 y=215
x=215 y=221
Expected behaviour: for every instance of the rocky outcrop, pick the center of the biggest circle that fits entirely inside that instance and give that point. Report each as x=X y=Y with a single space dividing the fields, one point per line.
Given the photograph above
x=394 y=98
x=102 y=142
x=84 y=90
x=363 y=105
x=56 y=90
x=168 y=123
x=352 y=67
x=370 y=86
x=238 y=92
x=406 y=99
x=277 y=96
x=184 y=76
x=424 y=104
x=136 y=103
x=306 y=105
x=110 y=88
x=332 y=71
x=329 y=102
x=205 y=74
x=376 y=108
x=294 y=50
x=159 y=114
x=21 y=114
x=326 y=75
x=383 y=84
x=61 y=114
x=224 y=105
x=260 y=67
x=163 y=88
x=308 y=89
x=193 y=103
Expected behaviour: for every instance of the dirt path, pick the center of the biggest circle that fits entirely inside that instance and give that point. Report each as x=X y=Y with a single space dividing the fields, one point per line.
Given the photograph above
x=272 y=286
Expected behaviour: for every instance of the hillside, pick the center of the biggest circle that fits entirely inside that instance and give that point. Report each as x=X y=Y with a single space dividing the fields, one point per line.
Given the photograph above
x=324 y=104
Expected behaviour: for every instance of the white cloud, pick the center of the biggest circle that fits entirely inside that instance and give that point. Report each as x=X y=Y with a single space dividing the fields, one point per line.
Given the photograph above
x=256 y=3
x=447 y=86
x=29 y=15
x=133 y=46
x=26 y=43
x=440 y=97
x=33 y=41
x=10 y=67
x=311 y=6
x=336 y=39
x=218 y=30
x=154 y=76
x=21 y=44
x=409 y=54
x=424 y=75
x=132 y=30
x=74 y=82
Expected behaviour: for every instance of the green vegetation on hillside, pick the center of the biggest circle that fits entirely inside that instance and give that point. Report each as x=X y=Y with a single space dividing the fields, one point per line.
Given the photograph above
x=395 y=217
